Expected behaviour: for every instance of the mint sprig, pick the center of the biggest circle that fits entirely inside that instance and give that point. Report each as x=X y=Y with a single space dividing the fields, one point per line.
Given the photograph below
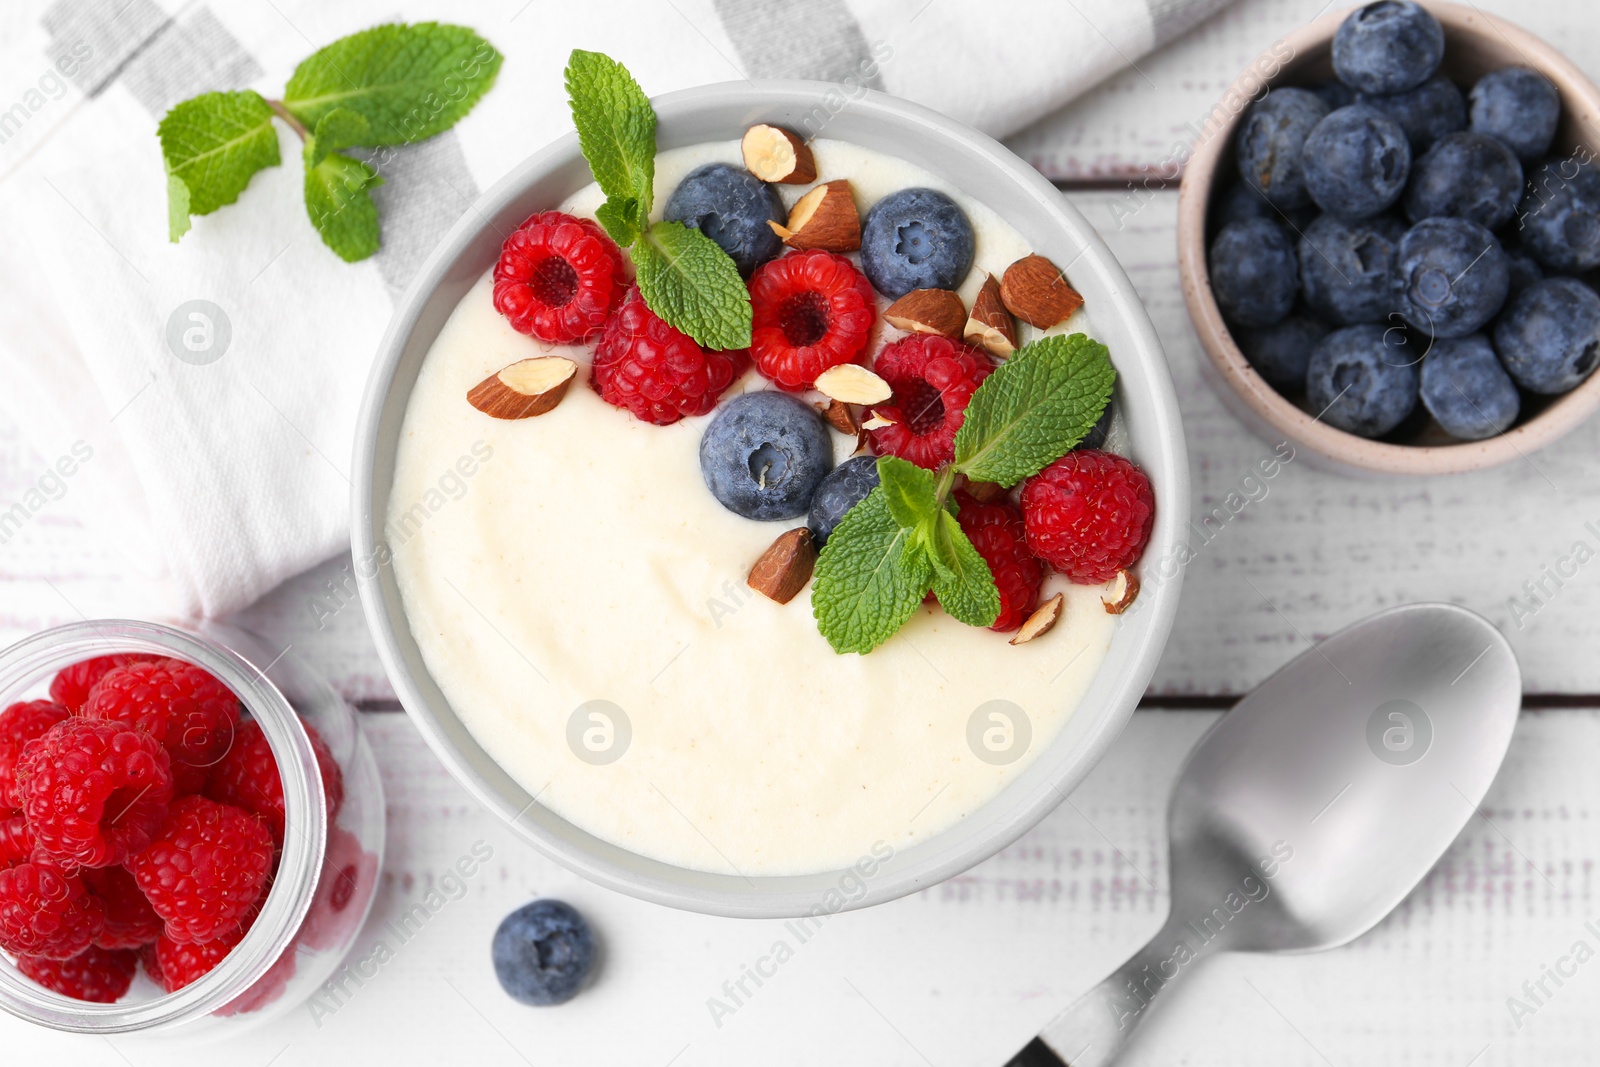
x=390 y=85
x=683 y=275
x=1032 y=410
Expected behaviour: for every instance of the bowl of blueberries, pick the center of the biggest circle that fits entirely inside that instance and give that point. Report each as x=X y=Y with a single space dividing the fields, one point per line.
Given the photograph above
x=1389 y=241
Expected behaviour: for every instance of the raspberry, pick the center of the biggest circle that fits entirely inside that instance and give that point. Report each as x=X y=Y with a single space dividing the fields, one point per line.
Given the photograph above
x=349 y=875
x=206 y=868
x=130 y=920
x=19 y=724
x=99 y=975
x=94 y=792
x=248 y=778
x=46 y=911
x=559 y=278
x=70 y=687
x=177 y=964
x=647 y=367
x=933 y=378
x=1088 y=515
x=811 y=311
x=996 y=531
x=16 y=841
x=190 y=712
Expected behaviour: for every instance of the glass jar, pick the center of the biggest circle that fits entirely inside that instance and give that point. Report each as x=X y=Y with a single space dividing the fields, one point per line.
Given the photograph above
x=326 y=875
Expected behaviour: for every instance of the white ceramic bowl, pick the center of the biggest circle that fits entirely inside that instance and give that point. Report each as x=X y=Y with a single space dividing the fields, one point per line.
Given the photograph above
x=983 y=169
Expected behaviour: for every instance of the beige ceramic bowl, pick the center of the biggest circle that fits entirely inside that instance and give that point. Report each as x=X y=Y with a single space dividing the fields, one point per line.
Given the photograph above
x=1475 y=43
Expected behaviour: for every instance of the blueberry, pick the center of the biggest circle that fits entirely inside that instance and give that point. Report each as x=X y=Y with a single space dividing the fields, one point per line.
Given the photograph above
x=1361 y=379
x=1466 y=390
x=1560 y=215
x=1453 y=276
x=1270 y=142
x=1520 y=107
x=1387 y=47
x=1525 y=270
x=543 y=952
x=1335 y=93
x=1280 y=352
x=764 y=455
x=915 y=239
x=1549 y=338
x=1426 y=113
x=1240 y=202
x=1356 y=161
x=1466 y=175
x=845 y=487
x=732 y=207
x=1096 y=437
x=1254 y=275
x=1348 y=269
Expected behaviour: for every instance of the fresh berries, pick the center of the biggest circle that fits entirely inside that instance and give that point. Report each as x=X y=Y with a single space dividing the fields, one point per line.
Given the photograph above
x=1560 y=215
x=130 y=920
x=205 y=869
x=846 y=485
x=97 y=975
x=1388 y=47
x=649 y=368
x=1549 y=338
x=46 y=911
x=349 y=875
x=543 y=952
x=180 y=963
x=16 y=841
x=1356 y=162
x=1466 y=390
x=1454 y=276
x=811 y=311
x=94 y=792
x=1348 y=270
x=1281 y=352
x=1466 y=175
x=1088 y=515
x=19 y=724
x=247 y=777
x=1519 y=107
x=764 y=454
x=916 y=239
x=1426 y=113
x=70 y=687
x=1270 y=143
x=933 y=379
x=732 y=207
x=191 y=713
x=559 y=278
x=1362 y=379
x=996 y=530
x=1254 y=272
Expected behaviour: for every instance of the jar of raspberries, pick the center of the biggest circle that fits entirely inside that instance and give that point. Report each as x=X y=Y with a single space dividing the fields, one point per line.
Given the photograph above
x=191 y=828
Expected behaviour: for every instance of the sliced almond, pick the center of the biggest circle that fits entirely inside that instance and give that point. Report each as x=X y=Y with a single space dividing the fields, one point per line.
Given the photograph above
x=524 y=389
x=824 y=218
x=928 y=311
x=876 y=422
x=840 y=416
x=983 y=492
x=1043 y=618
x=785 y=568
x=1120 y=592
x=775 y=154
x=853 y=384
x=990 y=326
x=1035 y=291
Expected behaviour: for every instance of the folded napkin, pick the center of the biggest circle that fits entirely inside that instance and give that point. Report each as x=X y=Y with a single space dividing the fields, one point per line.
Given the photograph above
x=203 y=394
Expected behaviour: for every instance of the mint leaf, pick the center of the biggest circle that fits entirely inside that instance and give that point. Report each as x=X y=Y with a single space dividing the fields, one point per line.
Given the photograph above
x=621 y=219
x=339 y=128
x=961 y=578
x=908 y=490
x=408 y=82
x=690 y=282
x=213 y=145
x=1034 y=408
x=869 y=578
x=617 y=132
x=340 y=206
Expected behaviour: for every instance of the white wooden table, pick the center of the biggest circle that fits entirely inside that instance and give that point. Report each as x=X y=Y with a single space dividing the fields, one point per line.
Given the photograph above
x=966 y=972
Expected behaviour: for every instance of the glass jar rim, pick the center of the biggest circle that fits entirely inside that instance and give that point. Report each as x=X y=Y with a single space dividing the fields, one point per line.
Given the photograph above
x=288 y=900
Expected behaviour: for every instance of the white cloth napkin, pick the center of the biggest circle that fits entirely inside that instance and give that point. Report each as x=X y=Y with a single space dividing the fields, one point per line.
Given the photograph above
x=222 y=468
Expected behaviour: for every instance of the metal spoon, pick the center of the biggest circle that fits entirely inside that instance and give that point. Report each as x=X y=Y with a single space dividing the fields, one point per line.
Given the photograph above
x=1314 y=806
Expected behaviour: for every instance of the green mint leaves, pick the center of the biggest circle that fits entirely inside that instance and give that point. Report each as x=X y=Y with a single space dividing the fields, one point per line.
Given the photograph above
x=903 y=540
x=683 y=275
x=390 y=85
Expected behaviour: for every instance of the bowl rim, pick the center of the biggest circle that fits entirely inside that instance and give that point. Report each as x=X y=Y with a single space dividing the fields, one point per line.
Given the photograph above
x=1050 y=776
x=1241 y=385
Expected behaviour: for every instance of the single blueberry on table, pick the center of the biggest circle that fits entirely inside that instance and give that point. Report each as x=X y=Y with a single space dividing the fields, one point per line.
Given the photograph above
x=1281 y=352
x=1348 y=270
x=1387 y=47
x=1454 y=276
x=1466 y=390
x=915 y=239
x=732 y=207
x=846 y=486
x=1271 y=141
x=1362 y=379
x=1426 y=113
x=1356 y=162
x=764 y=455
x=1466 y=175
x=1549 y=337
x=543 y=952
x=1254 y=273
x=1518 y=106
x=1560 y=214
